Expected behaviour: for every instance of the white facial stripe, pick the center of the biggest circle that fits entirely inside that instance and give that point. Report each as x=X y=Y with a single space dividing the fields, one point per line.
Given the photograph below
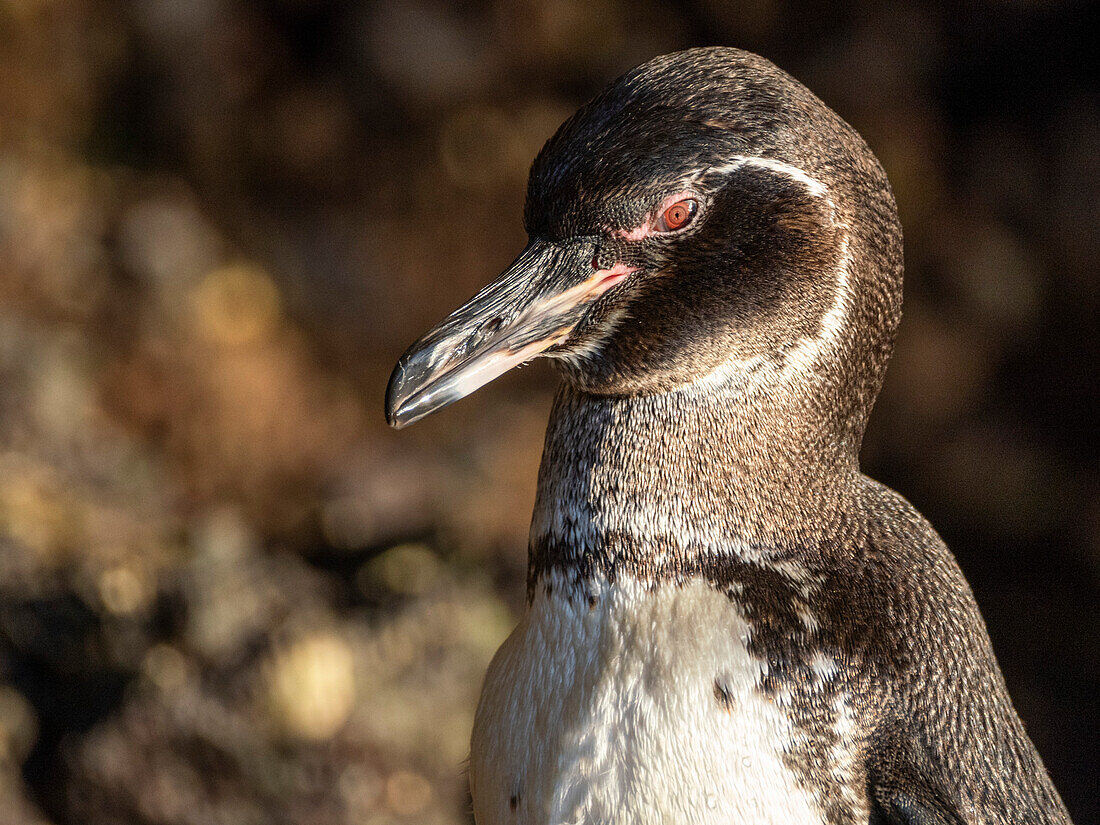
x=806 y=352
x=801 y=358
x=815 y=187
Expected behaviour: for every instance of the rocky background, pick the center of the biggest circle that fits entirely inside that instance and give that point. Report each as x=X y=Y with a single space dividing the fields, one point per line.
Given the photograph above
x=228 y=594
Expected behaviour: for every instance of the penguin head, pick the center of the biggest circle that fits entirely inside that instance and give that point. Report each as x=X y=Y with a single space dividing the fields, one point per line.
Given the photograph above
x=704 y=219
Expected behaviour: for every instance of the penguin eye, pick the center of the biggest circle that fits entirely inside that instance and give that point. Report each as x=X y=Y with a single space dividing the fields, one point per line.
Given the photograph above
x=677 y=216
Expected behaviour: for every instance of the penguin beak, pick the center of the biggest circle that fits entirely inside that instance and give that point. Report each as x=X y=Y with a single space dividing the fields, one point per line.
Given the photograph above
x=532 y=306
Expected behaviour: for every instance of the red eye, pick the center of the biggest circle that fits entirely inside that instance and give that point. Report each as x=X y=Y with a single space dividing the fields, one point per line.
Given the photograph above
x=677 y=216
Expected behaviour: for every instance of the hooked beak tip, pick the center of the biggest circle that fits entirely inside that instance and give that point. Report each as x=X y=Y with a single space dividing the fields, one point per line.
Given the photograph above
x=400 y=418
x=403 y=394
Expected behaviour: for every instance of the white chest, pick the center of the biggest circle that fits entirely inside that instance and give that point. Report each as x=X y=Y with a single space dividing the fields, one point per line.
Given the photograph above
x=634 y=706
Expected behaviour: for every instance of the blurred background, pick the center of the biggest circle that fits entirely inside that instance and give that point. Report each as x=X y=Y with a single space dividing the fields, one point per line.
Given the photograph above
x=228 y=594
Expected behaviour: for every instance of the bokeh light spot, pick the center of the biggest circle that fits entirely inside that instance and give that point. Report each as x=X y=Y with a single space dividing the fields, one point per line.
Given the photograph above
x=123 y=591
x=312 y=686
x=237 y=305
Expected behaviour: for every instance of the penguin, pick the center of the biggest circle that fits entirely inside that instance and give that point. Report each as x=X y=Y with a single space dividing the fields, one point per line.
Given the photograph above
x=726 y=621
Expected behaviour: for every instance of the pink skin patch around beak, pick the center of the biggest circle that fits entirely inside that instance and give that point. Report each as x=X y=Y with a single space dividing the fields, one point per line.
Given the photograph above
x=588 y=290
x=649 y=226
x=603 y=279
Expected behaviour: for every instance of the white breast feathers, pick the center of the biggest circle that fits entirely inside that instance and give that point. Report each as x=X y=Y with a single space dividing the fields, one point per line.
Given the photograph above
x=632 y=704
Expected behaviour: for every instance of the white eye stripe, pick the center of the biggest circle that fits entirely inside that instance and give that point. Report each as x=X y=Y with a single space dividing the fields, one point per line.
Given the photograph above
x=813 y=185
x=815 y=188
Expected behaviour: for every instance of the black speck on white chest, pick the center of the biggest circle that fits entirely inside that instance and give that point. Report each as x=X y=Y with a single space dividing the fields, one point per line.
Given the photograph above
x=628 y=703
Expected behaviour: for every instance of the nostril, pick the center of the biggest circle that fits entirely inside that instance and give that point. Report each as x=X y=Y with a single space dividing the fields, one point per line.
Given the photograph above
x=492 y=326
x=482 y=333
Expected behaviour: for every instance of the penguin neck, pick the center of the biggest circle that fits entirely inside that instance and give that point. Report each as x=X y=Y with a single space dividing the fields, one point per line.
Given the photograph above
x=664 y=487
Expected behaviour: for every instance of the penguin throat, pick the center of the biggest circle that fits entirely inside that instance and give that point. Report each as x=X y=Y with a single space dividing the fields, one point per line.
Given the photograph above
x=655 y=486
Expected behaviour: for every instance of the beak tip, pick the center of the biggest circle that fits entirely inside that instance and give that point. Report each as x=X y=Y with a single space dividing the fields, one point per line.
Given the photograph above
x=394 y=400
x=405 y=395
x=396 y=420
x=402 y=417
